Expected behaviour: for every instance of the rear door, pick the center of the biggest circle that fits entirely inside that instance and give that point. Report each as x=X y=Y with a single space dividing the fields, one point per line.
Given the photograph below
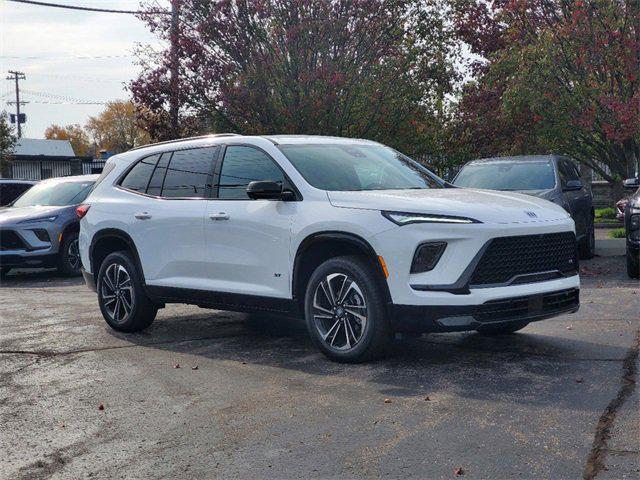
x=248 y=241
x=168 y=214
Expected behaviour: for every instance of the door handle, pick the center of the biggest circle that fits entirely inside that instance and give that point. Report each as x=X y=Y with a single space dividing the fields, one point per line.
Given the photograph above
x=143 y=216
x=219 y=216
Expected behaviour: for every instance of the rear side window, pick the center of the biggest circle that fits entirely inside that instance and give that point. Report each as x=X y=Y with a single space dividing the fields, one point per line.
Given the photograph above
x=138 y=177
x=155 y=184
x=567 y=171
x=189 y=173
x=243 y=165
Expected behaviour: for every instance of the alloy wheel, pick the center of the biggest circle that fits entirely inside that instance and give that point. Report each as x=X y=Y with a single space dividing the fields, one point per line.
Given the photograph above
x=117 y=293
x=339 y=311
x=73 y=255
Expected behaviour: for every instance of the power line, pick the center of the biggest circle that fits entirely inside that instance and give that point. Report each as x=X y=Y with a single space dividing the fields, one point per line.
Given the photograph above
x=90 y=9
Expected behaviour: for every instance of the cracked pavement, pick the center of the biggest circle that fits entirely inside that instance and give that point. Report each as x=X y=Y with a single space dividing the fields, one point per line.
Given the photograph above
x=558 y=400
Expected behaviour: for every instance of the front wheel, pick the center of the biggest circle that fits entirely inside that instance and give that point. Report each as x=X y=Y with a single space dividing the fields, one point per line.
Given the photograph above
x=69 y=260
x=345 y=311
x=588 y=244
x=633 y=264
x=123 y=302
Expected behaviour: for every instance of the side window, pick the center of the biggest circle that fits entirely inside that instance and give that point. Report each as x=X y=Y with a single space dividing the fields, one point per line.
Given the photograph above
x=138 y=177
x=567 y=171
x=155 y=184
x=243 y=165
x=188 y=173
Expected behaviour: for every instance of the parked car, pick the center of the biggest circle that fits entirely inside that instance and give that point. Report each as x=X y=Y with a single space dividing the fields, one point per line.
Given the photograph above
x=40 y=228
x=550 y=177
x=10 y=189
x=621 y=205
x=632 y=228
x=357 y=237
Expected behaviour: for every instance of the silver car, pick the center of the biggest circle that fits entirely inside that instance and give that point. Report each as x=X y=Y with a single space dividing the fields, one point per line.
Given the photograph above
x=40 y=228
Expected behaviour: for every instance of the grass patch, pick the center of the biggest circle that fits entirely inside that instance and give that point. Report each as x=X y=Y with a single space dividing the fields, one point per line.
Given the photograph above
x=617 y=233
x=605 y=213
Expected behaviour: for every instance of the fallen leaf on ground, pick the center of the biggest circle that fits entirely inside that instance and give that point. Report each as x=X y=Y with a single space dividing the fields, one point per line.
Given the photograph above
x=387 y=400
x=579 y=380
x=570 y=327
x=458 y=471
x=177 y=365
x=428 y=399
x=101 y=407
x=195 y=367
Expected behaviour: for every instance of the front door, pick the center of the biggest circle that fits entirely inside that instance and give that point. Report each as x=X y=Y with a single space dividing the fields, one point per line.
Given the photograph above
x=248 y=241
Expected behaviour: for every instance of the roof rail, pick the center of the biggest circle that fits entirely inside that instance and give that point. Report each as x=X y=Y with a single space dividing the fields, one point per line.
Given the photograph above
x=167 y=142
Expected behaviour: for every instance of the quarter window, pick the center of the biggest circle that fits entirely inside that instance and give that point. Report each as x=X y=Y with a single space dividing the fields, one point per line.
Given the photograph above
x=155 y=184
x=243 y=165
x=188 y=173
x=138 y=177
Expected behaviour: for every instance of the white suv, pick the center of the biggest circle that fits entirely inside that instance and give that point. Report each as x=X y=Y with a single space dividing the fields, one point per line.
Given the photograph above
x=359 y=238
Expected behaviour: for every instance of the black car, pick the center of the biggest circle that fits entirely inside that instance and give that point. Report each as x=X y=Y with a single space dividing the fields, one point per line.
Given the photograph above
x=11 y=189
x=552 y=177
x=632 y=228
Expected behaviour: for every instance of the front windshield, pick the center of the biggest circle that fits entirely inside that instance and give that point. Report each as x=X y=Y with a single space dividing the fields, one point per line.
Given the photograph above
x=528 y=175
x=358 y=167
x=54 y=194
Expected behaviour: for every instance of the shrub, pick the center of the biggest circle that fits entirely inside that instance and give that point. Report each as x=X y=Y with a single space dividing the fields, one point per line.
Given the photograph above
x=605 y=213
x=617 y=233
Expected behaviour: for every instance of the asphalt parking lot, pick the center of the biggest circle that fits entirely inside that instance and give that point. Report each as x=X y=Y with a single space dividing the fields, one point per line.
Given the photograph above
x=252 y=398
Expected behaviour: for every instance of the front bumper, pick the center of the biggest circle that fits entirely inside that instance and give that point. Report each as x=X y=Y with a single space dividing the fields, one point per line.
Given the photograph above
x=20 y=260
x=455 y=318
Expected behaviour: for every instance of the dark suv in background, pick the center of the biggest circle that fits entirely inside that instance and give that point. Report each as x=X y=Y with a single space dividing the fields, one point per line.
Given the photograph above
x=551 y=177
x=11 y=189
x=632 y=228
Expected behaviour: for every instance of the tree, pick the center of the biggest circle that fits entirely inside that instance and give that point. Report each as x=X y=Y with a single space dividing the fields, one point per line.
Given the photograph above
x=7 y=142
x=74 y=134
x=351 y=68
x=117 y=129
x=554 y=75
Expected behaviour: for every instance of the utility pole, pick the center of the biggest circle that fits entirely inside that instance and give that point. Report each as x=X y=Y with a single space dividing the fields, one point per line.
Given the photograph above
x=17 y=76
x=174 y=100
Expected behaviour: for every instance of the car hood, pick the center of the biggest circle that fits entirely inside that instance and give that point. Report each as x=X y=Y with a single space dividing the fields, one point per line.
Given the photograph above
x=487 y=206
x=19 y=214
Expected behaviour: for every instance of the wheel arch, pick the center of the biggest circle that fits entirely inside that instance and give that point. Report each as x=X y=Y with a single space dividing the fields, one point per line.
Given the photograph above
x=111 y=240
x=320 y=246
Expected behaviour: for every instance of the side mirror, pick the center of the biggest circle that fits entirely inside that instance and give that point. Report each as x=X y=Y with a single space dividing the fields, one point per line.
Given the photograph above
x=572 y=185
x=268 y=190
x=631 y=183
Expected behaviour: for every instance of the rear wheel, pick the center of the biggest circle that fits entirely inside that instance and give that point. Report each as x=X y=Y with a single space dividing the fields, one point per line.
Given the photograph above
x=69 y=260
x=123 y=302
x=502 y=329
x=587 y=248
x=633 y=264
x=345 y=313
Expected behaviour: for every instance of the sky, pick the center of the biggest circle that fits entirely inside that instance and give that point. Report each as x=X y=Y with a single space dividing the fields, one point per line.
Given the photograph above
x=57 y=49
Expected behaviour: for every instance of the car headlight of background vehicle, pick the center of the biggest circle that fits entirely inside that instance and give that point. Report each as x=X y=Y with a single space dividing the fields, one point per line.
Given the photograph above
x=404 y=218
x=50 y=218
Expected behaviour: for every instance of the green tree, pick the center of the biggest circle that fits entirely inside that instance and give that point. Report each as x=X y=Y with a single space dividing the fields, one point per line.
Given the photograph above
x=554 y=76
x=7 y=142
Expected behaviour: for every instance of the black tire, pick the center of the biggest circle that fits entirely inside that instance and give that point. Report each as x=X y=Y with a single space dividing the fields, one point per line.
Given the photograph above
x=633 y=264
x=69 y=263
x=365 y=317
x=502 y=329
x=115 y=294
x=587 y=247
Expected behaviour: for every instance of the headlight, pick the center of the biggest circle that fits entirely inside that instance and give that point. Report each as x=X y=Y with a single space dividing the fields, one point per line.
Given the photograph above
x=401 y=218
x=40 y=219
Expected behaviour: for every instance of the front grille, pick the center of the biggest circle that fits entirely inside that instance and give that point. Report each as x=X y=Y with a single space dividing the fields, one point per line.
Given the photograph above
x=526 y=259
x=530 y=306
x=11 y=241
